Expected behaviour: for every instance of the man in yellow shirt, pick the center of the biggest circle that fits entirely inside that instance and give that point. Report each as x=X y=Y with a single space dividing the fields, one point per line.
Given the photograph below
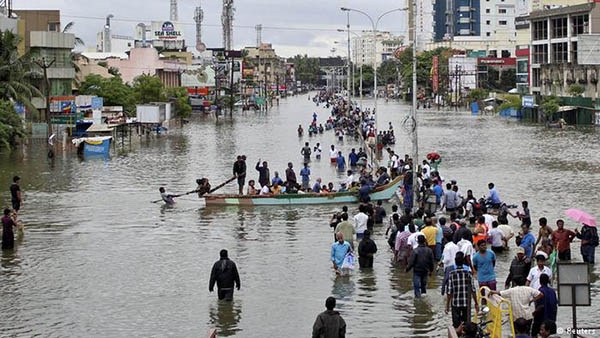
x=430 y=231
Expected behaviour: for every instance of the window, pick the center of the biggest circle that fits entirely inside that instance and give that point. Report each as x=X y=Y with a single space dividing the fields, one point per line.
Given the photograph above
x=487 y=10
x=559 y=52
x=574 y=52
x=502 y=22
x=535 y=77
x=488 y=34
x=502 y=10
x=487 y=22
x=53 y=26
x=540 y=30
x=559 y=28
x=540 y=54
x=580 y=24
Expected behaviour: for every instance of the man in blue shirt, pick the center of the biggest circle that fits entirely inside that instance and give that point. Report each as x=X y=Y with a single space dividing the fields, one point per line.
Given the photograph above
x=484 y=262
x=527 y=240
x=341 y=161
x=353 y=158
x=339 y=249
x=439 y=192
x=363 y=192
x=305 y=174
x=494 y=198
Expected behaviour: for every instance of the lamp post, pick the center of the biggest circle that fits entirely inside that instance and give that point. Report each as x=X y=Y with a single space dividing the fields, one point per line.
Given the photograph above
x=374 y=26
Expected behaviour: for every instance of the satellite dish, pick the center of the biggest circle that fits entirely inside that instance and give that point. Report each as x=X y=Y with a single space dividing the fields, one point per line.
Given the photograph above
x=200 y=47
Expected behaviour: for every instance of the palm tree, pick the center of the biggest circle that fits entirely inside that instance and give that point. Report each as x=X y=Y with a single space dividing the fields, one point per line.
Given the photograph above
x=16 y=73
x=78 y=41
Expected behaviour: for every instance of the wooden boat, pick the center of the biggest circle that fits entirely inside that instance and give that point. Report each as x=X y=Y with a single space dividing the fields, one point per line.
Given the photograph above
x=381 y=193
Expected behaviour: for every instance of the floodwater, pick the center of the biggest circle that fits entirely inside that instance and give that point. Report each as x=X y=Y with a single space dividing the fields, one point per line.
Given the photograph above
x=99 y=259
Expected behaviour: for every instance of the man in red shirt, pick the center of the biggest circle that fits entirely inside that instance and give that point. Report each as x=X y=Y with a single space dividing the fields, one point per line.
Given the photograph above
x=562 y=239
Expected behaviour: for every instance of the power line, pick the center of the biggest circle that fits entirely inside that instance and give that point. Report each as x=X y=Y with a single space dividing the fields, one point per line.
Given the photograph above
x=186 y=23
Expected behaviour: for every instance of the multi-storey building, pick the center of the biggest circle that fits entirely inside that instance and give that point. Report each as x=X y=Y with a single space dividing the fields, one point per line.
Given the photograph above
x=562 y=49
x=365 y=52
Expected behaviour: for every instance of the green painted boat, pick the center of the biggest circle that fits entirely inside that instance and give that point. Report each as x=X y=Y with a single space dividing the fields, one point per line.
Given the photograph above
x=381 y=193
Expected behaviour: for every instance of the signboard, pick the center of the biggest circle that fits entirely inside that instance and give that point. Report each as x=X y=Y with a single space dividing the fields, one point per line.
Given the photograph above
x=167 y=30
x=434 y=74
x=62 y=104
x=528 y=102
x=588 y=49
x=476 y=53
x=497 y=61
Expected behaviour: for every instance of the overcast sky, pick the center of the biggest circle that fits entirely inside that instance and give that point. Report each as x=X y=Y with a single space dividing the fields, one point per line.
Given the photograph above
x=292 y=26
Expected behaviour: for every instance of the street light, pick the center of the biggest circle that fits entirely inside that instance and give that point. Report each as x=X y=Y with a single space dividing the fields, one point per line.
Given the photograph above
x=374 y=26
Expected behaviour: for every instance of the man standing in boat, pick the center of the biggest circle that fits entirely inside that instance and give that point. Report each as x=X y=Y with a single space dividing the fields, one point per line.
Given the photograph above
x=305 y=174
x=263 y=173
x=290 y=178
x=239 y=171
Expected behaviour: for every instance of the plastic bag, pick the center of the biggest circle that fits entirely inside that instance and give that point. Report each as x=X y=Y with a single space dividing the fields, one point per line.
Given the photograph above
x=348 y=262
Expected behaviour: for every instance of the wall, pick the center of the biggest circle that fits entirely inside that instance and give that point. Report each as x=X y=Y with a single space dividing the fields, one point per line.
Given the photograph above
x=38 y=20
x=145 y=61
x=556 y=79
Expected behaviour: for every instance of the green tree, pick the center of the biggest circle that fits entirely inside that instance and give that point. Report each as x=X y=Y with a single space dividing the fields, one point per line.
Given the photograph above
x=307 y=69
x=148 y=88
x=16 y=72
x=113 y=90
x=11 y=125
x=550 y=106
x=178 y=96
x=387 y=72
x=508 y=79
x=477 y=94
x=511 y=101
x=576 y=89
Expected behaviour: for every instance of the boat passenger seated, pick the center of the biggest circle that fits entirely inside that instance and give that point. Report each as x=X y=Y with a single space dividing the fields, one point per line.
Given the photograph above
x=203 y=186
x=276 y=189
x=383 y=178
x=265 y=190
x=252 y=188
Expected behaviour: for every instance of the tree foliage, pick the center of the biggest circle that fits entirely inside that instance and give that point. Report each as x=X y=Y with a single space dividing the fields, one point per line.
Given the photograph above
x=16 y=72
x=307 y=69
x=387 y=73
x=113 y=90
x=178 y=96
x=11 y=125
x=148 y=88
x=477 y=94
x=550 y=106
x=511 y=102
x=576 y=89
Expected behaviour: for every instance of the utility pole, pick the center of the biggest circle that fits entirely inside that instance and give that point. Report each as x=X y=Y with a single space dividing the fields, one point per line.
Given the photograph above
x=44 y=66
x=231 y=97
x=348 y=60
x=415 y=146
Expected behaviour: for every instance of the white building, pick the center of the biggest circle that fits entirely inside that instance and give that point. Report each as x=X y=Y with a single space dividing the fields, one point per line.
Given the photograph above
x=117 y=43
x=363 y=48
x=425 y=23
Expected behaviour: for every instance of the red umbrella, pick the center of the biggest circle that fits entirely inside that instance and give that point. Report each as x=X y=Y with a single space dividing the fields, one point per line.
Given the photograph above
x=433 y=156
x=581 y=217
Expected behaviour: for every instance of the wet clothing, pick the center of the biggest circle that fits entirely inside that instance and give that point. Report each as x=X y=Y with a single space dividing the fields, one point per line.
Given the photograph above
x=589 y=242
x=239 y=170
x=225 y=274
x=290 y=177
x=14 y=196
x=8 y=235
x=167 y=198
x=329 y=324
x=366 y=249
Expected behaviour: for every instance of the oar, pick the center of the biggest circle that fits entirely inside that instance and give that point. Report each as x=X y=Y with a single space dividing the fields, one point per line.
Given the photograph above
x=211 y=190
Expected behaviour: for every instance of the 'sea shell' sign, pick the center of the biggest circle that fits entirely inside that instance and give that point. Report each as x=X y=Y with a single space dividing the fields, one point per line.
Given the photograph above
x=167 y=30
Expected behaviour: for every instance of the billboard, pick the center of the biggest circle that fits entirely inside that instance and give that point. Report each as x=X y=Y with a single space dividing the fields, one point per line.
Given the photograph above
x=588 y=49
x=166 y=30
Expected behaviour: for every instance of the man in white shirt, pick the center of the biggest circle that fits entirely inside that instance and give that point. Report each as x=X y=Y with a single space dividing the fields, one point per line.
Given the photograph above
x=522 y=299
x=349 y=178
x=360 y=222
x=413 y=239
x=333 y=154
x=265 y=190
x=533 y=279
x=426 y=170
x=450 y=250
x=466 y=246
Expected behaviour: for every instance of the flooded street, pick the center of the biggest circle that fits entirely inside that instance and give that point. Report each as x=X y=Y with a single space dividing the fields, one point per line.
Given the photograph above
x=99 y=259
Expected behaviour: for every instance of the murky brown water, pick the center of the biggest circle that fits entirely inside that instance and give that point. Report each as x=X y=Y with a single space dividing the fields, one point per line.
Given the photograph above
x=98 y=259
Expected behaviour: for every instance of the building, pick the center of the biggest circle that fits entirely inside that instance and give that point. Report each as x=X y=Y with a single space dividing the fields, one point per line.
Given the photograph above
x=268 y=69
x=148 y=61
x=117 y=43
x=425 y=27
x=476 y=25
x=37 y=21
x=162 y=35
x=564 y=49
x=363 y=52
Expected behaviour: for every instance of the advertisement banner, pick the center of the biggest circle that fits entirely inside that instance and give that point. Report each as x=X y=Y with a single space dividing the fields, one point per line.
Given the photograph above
x=435 y=74
x=166 y=30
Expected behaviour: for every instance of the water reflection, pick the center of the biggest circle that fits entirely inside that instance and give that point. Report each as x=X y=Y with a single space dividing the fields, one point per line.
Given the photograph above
x=225 y=317
x=343 y=287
